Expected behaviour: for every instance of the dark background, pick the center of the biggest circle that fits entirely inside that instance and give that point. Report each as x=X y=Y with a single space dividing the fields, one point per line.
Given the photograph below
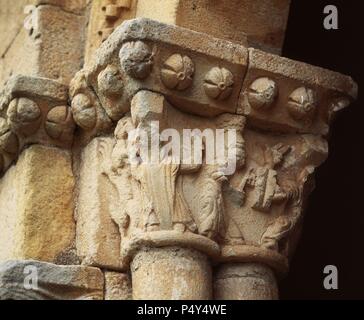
x=334 y=221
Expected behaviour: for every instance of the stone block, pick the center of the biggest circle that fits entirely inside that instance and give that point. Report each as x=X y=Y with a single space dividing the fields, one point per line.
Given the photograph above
x=243 y=22
x=34 y=280
x=98 y=238
x=117 y=286
x=104 y=18
x=46 y=44
x=36 y=215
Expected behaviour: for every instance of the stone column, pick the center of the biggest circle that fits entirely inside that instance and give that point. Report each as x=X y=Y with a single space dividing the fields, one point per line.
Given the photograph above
x=245 y=281
x=171 y=273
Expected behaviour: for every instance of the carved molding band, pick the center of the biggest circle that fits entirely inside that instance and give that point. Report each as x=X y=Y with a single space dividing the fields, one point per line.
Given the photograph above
x=205 y=76
x=33 y=111
x=283 y=95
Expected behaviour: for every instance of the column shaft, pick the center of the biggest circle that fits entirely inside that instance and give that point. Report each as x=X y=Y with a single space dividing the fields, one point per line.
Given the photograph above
x=171 y=273
x=245 y=281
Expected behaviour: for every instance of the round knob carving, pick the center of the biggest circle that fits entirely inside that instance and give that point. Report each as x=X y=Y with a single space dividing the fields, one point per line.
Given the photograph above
x=262 y=93
x=177 y=72
x=302 y=104
x=136 y=59
x=219 y=83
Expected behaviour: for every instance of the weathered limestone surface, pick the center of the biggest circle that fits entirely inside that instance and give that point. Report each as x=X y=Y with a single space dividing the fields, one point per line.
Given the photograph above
x=249 y=220
x=36 y=129
x=171 y=274
x=117 y=286
x=74 y=6
x=12 y=21
x=239 y=21
x=36 y=212
x=98 y=238
x=245 y=282
x=49 y=281
x=80 y=79
x=104 y=17
x=33 y=111
x=47 y=41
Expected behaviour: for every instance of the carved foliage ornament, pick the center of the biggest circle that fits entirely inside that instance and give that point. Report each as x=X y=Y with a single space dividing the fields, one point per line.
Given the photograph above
x=59 y=123
x=302 y=104
x=136 y=59
x=262 y=93
x=24 y=116
x=219 y=83
x=177 y=72
x=84 y=112
x=110 y=82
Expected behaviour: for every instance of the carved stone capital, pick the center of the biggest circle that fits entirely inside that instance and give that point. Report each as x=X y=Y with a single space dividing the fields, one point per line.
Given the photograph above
x=281 y=110
x=176 y=164
x=33 y=111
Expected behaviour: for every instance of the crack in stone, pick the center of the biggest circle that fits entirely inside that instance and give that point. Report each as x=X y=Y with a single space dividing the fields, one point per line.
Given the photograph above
x=235 y=276
x=11 y=43
x=76 y=13
x=6 y=50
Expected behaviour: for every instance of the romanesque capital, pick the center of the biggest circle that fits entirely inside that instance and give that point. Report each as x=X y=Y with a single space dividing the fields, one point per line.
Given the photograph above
x=148 y=72
x=156 y=150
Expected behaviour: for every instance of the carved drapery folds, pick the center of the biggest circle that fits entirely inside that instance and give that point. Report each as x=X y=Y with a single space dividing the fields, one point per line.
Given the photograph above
x=281 y=109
